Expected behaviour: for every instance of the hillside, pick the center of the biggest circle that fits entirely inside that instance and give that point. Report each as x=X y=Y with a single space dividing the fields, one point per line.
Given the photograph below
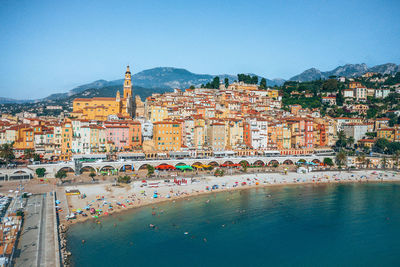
x=110 y=91
x=156 y=78
x=348 y=70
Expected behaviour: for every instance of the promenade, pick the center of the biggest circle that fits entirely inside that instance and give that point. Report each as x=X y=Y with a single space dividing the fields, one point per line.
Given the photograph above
x=37 y=241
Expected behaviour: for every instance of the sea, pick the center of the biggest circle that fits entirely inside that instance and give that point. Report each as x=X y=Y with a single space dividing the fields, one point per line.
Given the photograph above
x=356 y=224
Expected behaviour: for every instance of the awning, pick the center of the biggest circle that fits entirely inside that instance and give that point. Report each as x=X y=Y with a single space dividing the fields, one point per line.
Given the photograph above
x=165 y=167
x=132 y=154
x=184 y=167
x=179 y=153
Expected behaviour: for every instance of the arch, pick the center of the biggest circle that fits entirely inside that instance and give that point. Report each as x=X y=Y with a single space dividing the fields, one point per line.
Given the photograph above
x=128 y=167
x=213 y=163
x=228 y=162
x=288 y=162
x=87 y=169
x=197 y=163
x=301 y=161
x=259 y=163
x=143 y=167
x=180 y=164
x=273 y=162
x=20 y=172
x=107 y=168
x=316 y=161
x=66 y=169
x=245 y=162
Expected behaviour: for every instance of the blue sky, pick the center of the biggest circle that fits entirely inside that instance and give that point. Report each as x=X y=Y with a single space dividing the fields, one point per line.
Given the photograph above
x=53 y=46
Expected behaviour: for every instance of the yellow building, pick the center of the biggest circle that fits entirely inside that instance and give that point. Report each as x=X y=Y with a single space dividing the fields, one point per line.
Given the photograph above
x=273 y=93
x=167 y=136
x=157 y=113
x=387 y=133
x=243 y=86
x=99 y=108
x=66 y=141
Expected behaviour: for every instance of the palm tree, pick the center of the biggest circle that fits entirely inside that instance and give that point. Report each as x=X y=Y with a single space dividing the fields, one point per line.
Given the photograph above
x=361 y=160
x=395 y=159
x=7 y=152
x=28 y=153
x=341 y=159
x=384 y=162
x=341 y=142
x=350 y=141
x=367 y=162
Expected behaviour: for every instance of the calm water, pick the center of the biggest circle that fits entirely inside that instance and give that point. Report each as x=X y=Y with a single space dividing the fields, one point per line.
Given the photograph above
x=332 y=225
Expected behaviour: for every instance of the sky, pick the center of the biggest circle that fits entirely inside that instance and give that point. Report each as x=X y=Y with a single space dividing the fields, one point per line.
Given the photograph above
x=53 y=46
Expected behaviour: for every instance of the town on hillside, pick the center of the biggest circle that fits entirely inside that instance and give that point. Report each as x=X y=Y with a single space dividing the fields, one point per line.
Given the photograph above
x=356 y=116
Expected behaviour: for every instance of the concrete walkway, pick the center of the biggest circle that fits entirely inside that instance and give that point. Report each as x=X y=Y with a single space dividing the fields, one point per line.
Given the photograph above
x=37 y=245
x=28 y=250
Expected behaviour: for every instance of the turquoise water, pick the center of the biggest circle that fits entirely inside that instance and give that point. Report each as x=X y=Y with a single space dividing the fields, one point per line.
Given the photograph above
x=305 y=225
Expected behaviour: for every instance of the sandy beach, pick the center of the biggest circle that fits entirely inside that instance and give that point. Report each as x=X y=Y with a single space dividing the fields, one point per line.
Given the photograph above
x=99 y=200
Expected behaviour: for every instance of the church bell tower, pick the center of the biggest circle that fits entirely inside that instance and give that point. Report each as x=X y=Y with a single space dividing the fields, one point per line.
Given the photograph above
x=127 y=84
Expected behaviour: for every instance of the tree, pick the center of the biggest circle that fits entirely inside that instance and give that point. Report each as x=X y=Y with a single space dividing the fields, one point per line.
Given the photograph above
x=384 y=162
x=7 y=152
x=381 y=144
x=361 y=160
x=350 y=141
x=328 y=161
x=92 y=174
x=61 y=174
x=226 y=81
x=192 y=87
x=150 y=170
x=219 y=172
x=395 y=159
x=341 y=159
x=367 y=162
x=40 y=172
x=342 y=140
x=215 y=83
x=124 y=179
x=372 y=112
x=36 y=157
x=263 y=83
x=244 y=166
x=247 y=79
x=330 y=85
x=339 y=98
x=28 y=153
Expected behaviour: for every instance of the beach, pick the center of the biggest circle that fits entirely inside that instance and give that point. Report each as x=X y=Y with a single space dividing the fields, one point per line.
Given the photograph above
x=97 y=200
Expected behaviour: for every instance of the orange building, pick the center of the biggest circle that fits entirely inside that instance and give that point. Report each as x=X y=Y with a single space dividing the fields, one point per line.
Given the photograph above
x=167 y=136
x=66 y=141
x=99 y=108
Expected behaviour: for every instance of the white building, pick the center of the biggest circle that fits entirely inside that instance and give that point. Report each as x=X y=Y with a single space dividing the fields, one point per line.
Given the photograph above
x=259 y=133
x=382 y=93
x=348 y=93
x=361 y=93
x=355 y=130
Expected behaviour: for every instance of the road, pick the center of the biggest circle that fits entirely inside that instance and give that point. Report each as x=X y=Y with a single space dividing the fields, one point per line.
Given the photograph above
x=36 y=244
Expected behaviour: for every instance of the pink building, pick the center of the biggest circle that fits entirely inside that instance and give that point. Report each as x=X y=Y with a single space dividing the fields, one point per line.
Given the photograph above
x=308 y=134
x=118 y=135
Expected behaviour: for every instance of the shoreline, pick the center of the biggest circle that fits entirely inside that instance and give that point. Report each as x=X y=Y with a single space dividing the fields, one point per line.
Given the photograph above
x=196 y=191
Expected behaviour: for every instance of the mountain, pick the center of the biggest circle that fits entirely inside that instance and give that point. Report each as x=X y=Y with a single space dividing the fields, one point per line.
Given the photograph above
x=308 y=75
x=348 y=70
x=111 y=91
x=388 y=68
x=4 y=100
x=167 y=78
